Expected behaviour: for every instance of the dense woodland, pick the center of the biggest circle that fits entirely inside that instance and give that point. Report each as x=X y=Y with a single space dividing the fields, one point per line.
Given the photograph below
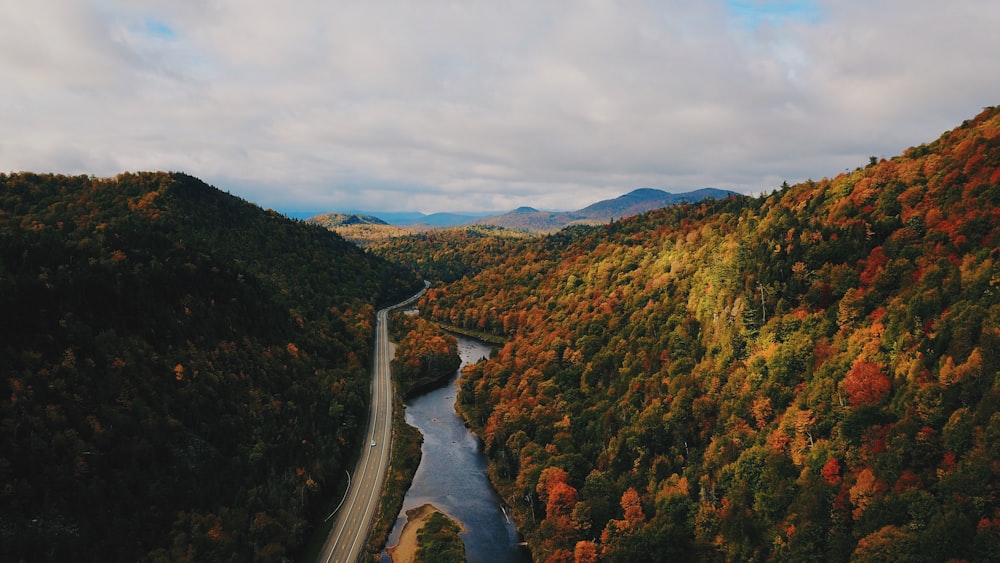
x=426 y=356
x=186 y=374
x=806 y=376
x=448 y=255
x=438 y=541
x=362 y=230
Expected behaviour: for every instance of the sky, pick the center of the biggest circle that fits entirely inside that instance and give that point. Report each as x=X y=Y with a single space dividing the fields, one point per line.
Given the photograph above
x=475 y=105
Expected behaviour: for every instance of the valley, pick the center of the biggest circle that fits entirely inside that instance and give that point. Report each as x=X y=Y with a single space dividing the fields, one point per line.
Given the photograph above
x=810 y=374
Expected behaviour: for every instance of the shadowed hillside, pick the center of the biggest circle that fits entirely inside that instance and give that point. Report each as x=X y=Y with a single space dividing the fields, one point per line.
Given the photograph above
x=449 y=254
x=186 y=374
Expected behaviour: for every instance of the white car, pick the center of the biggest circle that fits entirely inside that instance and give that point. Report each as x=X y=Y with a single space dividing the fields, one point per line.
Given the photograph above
x=373 y=443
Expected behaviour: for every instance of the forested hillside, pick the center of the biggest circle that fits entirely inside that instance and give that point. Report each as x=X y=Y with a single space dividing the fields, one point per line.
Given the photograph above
x=362 y=230
x=426 y=356
x=186 y=374
x=810 y=375
x=450 y=254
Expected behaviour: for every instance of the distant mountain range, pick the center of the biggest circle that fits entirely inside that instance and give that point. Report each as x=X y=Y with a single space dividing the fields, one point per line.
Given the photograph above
x=647 y=199
x=528 y=218
x=633 y=203
x=413 y=219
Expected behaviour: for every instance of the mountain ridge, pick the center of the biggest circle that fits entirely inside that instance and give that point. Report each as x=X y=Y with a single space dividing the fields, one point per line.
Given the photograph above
x=632 y=203
x=532 y=219
x=330 y=220
x=646 y=199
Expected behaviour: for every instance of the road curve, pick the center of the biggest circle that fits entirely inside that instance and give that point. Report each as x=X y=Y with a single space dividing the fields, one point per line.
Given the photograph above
x=353 y=521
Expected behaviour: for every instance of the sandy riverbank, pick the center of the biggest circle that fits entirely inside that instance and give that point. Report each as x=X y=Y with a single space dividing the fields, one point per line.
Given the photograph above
x=405 y=550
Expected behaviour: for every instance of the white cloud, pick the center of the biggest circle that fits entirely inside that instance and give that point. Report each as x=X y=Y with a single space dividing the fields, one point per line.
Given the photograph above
x=449 y=106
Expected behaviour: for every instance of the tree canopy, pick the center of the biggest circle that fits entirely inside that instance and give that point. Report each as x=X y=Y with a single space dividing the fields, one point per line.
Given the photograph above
x=186 y=374
x=808 y=375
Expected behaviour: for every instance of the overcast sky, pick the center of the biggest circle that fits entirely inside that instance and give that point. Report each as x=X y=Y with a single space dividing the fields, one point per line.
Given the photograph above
x=428 y=105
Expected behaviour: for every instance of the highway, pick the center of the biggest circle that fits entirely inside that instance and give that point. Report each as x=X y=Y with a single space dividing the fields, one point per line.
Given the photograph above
x=353 y=520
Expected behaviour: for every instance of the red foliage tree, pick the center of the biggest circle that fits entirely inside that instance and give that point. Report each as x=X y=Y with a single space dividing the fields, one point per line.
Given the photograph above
x=831 y=471
x=549 y=478
x=562 y=499
x=632 y=505
x=585 y=552
x=865 y=383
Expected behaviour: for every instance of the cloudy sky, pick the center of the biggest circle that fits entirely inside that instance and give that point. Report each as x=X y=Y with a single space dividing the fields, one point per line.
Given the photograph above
x=319 y=105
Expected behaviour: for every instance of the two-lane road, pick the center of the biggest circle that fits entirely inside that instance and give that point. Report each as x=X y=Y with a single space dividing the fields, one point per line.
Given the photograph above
x=350 y=529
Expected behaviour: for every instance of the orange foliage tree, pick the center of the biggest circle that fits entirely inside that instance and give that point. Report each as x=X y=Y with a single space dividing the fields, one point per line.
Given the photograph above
x=865 y=383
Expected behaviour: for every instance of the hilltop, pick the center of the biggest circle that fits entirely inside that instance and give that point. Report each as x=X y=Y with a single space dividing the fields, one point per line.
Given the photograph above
x=331 y=220
x=362 y=230
x=643 y=200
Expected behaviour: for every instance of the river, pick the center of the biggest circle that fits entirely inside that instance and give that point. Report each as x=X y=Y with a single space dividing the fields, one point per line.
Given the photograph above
x=452 y=473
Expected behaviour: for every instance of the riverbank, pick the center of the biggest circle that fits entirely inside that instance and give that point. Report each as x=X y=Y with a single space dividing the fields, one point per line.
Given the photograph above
x=486 y=337
x=405 y=551
x=452 y=475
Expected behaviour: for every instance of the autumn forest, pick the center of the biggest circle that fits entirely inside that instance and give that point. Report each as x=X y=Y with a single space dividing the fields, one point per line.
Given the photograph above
x=807 y=375
x=186 y=375
x=810 y=375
